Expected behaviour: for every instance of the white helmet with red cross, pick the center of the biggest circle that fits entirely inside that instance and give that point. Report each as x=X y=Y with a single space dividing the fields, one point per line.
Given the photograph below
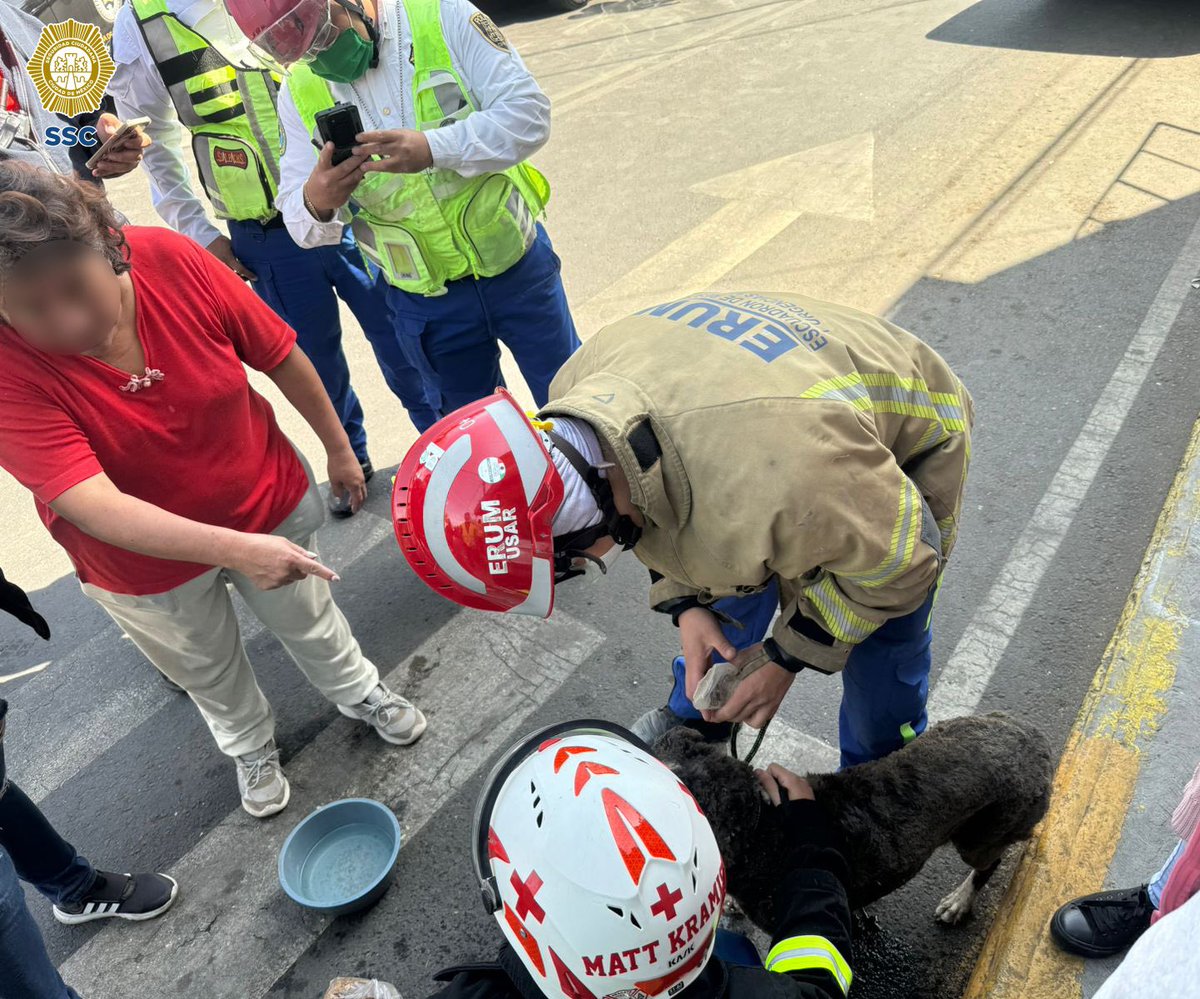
x=600 y=868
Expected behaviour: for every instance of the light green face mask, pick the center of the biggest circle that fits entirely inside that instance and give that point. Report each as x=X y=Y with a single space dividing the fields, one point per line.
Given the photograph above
x=347 y=59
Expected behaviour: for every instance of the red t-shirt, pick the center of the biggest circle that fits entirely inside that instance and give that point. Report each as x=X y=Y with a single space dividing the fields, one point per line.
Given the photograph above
x=201 y=443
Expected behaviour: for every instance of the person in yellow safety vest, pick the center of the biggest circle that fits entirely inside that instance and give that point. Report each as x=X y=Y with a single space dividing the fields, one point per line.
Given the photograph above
x=185 y=65
x=439 y=186
x=790 y=471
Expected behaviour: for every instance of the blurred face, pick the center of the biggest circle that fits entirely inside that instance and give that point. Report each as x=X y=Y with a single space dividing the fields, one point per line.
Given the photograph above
x=62 y=300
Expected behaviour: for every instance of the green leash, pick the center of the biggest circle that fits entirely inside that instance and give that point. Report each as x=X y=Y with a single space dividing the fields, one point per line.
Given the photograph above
x=733 y=742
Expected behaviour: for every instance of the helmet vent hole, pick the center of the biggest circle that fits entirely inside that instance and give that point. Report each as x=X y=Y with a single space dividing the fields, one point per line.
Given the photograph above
x=539 y=820
x=696 y=859
x=694 y=882
x=532 y=788
x=617 y=912
x=536 y=802
x=633 y=919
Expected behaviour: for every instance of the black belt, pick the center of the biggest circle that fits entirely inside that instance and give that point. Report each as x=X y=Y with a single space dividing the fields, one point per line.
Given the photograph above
x=275 y=222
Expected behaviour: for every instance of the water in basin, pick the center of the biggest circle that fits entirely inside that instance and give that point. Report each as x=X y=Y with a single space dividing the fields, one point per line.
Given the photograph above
x=345 y=862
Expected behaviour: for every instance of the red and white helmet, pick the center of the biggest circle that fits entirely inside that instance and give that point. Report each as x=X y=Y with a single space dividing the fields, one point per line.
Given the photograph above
x=599 y=866
x=473 y=505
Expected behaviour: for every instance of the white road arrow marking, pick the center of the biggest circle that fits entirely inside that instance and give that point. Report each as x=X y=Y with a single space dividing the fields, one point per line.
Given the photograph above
x=836 y=179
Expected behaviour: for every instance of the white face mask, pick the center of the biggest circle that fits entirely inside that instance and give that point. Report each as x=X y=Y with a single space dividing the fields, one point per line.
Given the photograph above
x=595 y=570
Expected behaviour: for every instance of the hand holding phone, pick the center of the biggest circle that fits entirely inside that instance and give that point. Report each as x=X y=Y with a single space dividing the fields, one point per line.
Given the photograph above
x=127 y=138
x=340 y=125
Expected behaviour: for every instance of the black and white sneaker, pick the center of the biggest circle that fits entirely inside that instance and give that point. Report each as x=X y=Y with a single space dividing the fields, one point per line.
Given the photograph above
x=121 y=896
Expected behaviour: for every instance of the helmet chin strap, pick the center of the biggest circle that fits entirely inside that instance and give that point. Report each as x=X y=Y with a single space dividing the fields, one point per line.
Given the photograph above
x=613 y=524
x=356 y=8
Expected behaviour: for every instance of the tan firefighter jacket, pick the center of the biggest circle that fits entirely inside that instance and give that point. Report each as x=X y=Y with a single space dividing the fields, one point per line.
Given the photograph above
x=768 y=436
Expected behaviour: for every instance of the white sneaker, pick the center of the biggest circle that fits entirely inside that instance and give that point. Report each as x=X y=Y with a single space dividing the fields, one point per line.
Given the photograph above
x=396 y=720
x=265 y=789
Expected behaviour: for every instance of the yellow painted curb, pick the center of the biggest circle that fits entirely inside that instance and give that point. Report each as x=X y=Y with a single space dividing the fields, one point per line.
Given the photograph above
x=1073 y=848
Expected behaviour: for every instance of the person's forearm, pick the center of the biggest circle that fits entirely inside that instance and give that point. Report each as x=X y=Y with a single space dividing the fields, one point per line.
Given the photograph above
x=297 y=379
x=101 y=510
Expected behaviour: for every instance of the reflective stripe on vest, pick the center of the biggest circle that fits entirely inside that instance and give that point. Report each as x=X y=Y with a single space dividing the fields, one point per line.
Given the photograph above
x=807 y=953
x=425 y=229
x=230 y=111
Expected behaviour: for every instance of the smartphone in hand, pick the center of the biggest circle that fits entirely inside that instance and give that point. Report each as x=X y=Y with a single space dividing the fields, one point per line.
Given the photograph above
x=116 y=141
x=340 y=125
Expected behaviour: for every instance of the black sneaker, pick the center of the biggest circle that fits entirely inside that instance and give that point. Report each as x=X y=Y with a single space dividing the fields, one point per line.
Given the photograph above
x=121 y=896
x=1103 y=924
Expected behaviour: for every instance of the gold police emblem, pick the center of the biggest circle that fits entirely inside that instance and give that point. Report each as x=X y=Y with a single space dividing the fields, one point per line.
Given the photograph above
x=71 y=67
x=487 y=27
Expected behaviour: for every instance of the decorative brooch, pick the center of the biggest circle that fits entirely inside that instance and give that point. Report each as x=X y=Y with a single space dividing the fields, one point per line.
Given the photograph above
x=137 y=382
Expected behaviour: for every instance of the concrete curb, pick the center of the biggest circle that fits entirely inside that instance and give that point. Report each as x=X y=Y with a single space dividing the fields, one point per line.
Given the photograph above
x=1074 y=847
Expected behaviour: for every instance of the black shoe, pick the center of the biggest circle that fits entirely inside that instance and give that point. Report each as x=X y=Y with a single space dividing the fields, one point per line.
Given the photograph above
x=171 y=683
x=1103 y=924
x=121 y=896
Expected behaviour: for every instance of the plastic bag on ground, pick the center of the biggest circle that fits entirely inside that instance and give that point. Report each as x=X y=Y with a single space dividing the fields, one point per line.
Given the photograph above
x=360 y=988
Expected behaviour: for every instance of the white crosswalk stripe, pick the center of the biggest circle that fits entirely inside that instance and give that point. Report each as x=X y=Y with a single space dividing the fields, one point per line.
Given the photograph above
x=109 y=714
x=796 y=750
x=478 y=679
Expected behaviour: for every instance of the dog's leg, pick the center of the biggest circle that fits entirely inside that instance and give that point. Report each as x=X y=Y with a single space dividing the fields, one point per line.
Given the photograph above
x=956 y=906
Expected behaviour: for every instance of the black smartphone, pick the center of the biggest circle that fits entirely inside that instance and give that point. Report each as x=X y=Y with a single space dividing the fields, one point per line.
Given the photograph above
x=339 y=125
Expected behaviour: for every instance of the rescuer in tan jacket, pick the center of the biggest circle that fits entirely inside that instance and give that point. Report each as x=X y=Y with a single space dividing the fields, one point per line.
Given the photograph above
x=768 y=453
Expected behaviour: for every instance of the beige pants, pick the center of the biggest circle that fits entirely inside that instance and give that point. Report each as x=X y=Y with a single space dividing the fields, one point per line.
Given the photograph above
x=191 y=634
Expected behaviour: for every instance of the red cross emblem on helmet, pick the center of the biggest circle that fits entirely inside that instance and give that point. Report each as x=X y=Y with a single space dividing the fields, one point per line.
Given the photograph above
x=473 y=506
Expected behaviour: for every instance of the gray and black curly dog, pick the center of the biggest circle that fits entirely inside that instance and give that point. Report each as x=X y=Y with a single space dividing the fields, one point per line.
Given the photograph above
x=979 y=784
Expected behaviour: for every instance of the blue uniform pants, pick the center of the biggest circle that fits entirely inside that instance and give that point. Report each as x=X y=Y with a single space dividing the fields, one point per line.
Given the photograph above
x=454 y=339
x=884 y=686
x=302 y=287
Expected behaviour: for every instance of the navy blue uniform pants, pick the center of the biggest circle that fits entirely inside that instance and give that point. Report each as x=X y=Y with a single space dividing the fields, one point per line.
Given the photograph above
x=454 y=339
x=884 y=686
x=302 y=287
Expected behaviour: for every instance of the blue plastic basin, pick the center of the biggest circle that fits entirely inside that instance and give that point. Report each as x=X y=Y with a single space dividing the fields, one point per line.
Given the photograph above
x=340 y=858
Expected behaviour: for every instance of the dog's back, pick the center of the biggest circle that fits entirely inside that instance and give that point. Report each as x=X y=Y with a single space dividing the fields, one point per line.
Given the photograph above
x=981 y=783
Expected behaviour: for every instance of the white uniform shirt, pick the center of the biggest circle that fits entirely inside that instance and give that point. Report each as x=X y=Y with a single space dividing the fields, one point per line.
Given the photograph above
x=512 y=123
x=139 y=90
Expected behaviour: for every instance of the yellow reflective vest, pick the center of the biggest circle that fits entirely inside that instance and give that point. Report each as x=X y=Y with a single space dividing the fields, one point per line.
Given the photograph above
x=425 y=229
x=230 y=111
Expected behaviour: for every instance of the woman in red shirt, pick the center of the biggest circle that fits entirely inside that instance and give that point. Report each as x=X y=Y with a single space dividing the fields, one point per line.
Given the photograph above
x=125 y=409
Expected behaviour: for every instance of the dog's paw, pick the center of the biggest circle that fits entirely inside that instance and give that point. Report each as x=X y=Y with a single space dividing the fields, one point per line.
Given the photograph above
x=956 y=906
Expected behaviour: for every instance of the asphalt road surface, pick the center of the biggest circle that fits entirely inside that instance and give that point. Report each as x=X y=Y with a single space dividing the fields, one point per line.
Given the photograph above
x=1014 y=180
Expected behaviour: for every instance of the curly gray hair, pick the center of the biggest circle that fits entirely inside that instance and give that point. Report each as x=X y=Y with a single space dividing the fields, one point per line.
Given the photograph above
x=38 y=207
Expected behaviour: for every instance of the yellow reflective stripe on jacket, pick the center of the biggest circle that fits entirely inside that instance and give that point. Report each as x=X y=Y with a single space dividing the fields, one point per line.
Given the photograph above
x=905 y=532
x=886 y=392
x=934 y=435
x=948 y=529
x=840 y=621
x=805 y=953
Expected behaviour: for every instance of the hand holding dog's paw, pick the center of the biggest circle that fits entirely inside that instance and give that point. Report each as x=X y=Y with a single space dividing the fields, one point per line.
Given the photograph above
x=956 y=906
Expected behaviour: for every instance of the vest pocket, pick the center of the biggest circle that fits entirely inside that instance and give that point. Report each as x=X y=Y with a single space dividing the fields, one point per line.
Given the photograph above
x=399 y=253
x=234 y=177
x=498 y=224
